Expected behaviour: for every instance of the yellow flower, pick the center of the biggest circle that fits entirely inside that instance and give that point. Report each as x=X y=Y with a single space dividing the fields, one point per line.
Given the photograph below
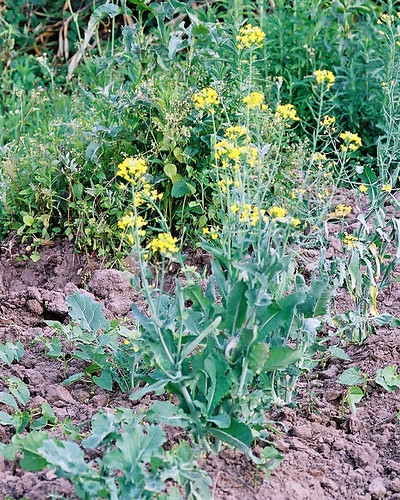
x=295 y=222
x=235 y=131
x=287 y=112
x=130 y=221
x=319 y=157
x=250 y=36
x=207 y=98
x=324 y=76
x=328 y=121
x=165 y=244
x=205 y=230
x=234 y=208
x=277 y=212
x=132 y=169
x=386 y=188
x=342 y=210
x=363 y=188
x=254 y=100
x=351 y=141
x=350 y=240
x=214 y=233
x=324 y=194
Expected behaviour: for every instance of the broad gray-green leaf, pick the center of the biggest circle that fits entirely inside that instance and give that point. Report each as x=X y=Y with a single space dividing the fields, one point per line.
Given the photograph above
x=87 y=312
x=164 y=412
x=388 y=378
x=8 y=399
x=354 y=396
x=65 y=455
x=339 y=353
x=237 y=435
x=19 y=390
x=281 y=357
x=157 y=386
x=351 y=376
x=32 y=459
x=103 y=424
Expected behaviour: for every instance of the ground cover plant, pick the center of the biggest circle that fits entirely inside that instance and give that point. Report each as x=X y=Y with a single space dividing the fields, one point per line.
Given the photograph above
x=233 y=168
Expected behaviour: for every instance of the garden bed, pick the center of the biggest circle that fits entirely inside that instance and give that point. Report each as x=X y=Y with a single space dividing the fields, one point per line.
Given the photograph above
x=328 y=451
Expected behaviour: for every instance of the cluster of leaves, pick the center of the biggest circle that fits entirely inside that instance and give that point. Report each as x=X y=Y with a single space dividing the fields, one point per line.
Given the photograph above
x=133 y=463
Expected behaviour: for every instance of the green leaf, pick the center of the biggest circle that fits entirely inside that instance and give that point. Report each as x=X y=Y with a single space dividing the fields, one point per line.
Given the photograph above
x=175 y=45
x=104 y=381
x=236 y=307
x=64 y=455
x=223 y=420
x=103 y=424
x=237 y=435
x=73 y=378
x=189 y=348
x=11 y=351
x=182 y=188
x=354 y=396
x=339 y=353
x=19 y=390
x=258 y=356
x=281 y=357
x=171 y=172
x=278 y=313
x=29 y=445
x=6 y=419
x=157 y=386
x=8 y=399
x=164 y=412
x=217 y=370
x=28 y=220
x=388 y=378
x=351 y=376
x=87 y=312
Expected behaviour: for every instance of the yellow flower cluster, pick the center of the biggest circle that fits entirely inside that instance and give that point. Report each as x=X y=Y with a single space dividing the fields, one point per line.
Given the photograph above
x=350 y=240
x=328 y=122
x=230 y=151
x=324 y=76
x=132 y=169
x=277 y=212
x=295 y=222
x=297 y=193
x=235 y=131
x=165 y=244
x=254 y=100
x=130 y=221
x=386 y=188
x=363 y=188
x=351 y=141
x=249 y=213
x=207 y=98
x=250 y=36
x=213 y=232
x=319 y=157
x=223 y=184
x=342 y=210
x=323 y=194
x=387 y=19
x=287 y=112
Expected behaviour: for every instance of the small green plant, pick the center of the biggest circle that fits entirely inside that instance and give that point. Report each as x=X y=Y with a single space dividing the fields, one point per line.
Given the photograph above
x=109 y=349
x=387 y=377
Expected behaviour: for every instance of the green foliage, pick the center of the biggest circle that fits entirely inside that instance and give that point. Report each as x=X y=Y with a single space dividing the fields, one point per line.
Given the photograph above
x=132 y=464
x=109 y=349
x=241 y=344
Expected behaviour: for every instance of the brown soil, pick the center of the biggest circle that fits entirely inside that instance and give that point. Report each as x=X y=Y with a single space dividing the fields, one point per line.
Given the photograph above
x=329 y=453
